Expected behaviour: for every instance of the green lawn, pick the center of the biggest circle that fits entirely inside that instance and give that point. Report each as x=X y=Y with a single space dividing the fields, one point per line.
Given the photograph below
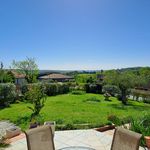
x=74 y=109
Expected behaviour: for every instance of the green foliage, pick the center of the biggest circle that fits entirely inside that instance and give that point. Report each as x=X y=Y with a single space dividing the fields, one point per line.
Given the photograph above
x=92 y=99
x=141 y=125
x=37 y=97
x=78 y=92
x=37 y=119
x=59 y=121
x=7 y=94
x=69 y=108
x=68 y=126
x=114 y=119
x=111 y=89
x=24 y=88
x=6 y=76
x=124 y=81
x=118 y=121
x=56 y=88
x=85 y=78
x=93 y=88
x=27 y=67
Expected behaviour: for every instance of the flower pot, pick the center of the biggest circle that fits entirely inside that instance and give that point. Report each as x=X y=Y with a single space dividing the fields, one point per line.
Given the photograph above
x=33 y=125
x=147 y=140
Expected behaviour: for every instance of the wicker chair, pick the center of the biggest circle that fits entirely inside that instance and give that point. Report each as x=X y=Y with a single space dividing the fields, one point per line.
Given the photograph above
x=40 y=138
x=124 y=139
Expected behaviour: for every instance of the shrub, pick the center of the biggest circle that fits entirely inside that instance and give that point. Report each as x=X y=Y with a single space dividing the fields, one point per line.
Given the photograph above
x=68 y=126
x=146 y=101
x=24 y=88
x=114 y=119
x=142 y=126
x=37 y=98
x=93 y=88
x=7 y=94
x=59 y=121
x=119 y=121
x=51 y=89
x=111 y=89
x=56 y=88
x=63 y=88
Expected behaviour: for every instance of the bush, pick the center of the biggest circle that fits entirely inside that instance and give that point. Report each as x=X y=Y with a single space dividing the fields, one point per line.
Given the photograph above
x=24 y=88
x=7 y=94
x=93 y=88
x=142 y=126
x=111 y=89
x=146 y=101
x=56 y=88
x=68 y=126
x=114 y=119
x=37 y=98
x=119 y=121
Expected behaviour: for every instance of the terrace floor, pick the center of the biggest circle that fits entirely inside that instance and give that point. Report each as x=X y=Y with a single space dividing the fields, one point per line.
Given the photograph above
x=87 y=138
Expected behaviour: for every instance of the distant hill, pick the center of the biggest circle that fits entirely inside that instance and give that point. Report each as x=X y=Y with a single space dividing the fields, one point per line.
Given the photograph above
x=132 y=68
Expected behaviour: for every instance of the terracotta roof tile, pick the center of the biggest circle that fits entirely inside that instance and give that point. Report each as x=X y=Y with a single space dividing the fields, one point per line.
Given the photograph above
x=55 y=76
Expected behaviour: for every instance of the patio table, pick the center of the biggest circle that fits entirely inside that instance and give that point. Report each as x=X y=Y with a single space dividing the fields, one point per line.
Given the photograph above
x=76 y=148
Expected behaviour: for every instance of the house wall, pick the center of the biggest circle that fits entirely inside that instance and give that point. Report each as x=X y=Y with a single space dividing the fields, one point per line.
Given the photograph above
x=20 y=81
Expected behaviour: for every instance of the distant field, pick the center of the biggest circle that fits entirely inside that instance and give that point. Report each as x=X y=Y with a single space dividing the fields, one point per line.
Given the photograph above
x=75 y=109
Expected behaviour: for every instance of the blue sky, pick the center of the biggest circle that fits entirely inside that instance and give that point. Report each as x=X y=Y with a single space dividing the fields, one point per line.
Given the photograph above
x=76 y=34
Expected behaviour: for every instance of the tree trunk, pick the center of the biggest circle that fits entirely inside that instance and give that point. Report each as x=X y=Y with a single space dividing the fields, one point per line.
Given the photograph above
x=124 y=97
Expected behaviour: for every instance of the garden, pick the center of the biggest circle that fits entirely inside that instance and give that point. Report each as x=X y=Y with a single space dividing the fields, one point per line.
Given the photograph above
x=71 y=111
x=92 y=100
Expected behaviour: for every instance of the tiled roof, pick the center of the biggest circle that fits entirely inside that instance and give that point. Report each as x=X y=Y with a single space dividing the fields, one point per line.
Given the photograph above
x=18 y=75
x=55 y=76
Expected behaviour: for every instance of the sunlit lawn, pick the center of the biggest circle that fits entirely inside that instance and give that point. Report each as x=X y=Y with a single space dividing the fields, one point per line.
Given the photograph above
x=74 y=109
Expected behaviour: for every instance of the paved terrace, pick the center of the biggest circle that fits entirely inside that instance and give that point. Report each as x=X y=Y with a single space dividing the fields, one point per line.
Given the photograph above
x=88 y=138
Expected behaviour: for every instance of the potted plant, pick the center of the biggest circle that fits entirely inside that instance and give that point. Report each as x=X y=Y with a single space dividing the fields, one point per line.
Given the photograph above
x=33 y=123
x=36 y=121
x=147 y=140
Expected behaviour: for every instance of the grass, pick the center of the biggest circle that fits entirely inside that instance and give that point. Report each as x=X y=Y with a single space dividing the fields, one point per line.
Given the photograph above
x=75 y=109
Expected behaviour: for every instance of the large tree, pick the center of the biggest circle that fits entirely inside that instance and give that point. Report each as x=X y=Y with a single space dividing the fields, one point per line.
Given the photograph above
x=27 y=67
x=124 y=81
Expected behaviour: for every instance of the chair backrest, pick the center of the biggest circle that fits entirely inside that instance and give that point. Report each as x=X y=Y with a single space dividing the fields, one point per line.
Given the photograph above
x=124 y=139
x=40 y=138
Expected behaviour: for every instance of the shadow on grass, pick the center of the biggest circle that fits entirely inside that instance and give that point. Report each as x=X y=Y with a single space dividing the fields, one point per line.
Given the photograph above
x=129 y=106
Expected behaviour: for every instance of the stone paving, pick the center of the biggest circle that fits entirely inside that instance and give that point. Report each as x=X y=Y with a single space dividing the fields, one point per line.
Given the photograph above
x=86 y=138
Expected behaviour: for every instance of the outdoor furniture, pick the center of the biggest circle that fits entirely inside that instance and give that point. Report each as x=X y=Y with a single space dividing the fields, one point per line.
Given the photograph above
x=76 y=148
x=52 y=124
x=40 y=138
x=124 y=139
